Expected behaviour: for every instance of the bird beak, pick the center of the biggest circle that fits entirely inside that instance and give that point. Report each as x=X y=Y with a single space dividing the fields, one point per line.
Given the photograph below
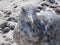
x=30 y=18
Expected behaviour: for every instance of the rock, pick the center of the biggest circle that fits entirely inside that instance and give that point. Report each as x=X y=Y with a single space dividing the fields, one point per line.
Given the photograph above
x=47 y=12
x=53 y=6
x=39 y=8
x=7 y=18
x=9 y=36
x=14 y=44
x=0 y=31
x=11 y=19
x=44 y=4
x=0 y=28
x=6 y=43
x=11 y=24
x=7 y=12
x=15 y=6
x=4 y=36
x=6 y=29
x=57 y=10
x=43 y=0
x=52 y=1
x=8 y=39
x=3 y=23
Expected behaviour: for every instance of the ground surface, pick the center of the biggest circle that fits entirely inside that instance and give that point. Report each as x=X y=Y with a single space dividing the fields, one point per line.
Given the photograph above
x=9 y=11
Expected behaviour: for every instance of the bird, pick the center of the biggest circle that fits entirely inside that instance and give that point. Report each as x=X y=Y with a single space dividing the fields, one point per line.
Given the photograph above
x=31 y=28
x=28 y=29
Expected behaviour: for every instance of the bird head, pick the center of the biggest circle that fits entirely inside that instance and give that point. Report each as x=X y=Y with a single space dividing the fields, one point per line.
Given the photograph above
x=28 y=13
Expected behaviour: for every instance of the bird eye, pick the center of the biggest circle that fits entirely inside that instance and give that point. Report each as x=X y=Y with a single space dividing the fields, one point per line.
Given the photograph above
x=23 y=9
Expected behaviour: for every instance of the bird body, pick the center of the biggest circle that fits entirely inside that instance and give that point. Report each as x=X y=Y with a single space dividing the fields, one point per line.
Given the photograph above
x=32 y=29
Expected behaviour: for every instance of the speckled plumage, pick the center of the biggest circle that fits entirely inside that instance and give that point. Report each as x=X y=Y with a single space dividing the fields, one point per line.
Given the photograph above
x=31 y=28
